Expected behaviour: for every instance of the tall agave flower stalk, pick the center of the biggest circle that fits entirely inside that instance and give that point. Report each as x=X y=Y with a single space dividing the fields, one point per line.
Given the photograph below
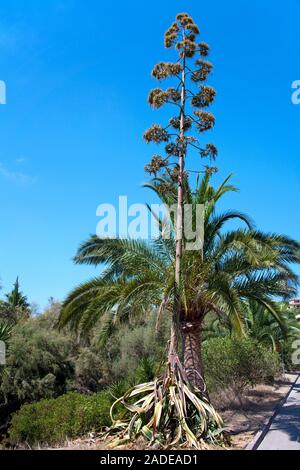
x=175 y=408
x=178 y=137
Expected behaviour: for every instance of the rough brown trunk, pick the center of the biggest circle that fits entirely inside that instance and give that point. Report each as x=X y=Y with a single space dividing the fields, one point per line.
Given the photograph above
x=192 y=358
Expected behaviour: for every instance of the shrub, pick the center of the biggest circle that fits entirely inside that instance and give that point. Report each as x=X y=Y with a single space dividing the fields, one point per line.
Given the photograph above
x=38 y=364
x=51 y=421
x=141 y=350
x=89 y=371
x=288 y=350
x=238 y=363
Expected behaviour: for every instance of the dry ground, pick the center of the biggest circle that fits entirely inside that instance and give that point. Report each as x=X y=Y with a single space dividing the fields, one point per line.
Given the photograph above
x=244 y=417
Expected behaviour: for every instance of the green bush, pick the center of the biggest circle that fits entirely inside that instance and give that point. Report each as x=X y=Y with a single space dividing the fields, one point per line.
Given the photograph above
x=52 y=421
x=38 y=364
x=238 y=363
x=89 y=371
x=288 y=349
x=140 y=350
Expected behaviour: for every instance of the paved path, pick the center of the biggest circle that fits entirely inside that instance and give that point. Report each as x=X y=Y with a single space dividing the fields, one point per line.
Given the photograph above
x=284 y=430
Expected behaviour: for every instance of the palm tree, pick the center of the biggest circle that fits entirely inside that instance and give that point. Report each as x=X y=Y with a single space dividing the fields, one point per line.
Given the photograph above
x=138 y=276
x=233 y=266
x=274 y=332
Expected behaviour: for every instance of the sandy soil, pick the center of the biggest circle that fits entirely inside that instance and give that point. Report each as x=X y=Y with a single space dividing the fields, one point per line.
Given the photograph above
x=243 y=416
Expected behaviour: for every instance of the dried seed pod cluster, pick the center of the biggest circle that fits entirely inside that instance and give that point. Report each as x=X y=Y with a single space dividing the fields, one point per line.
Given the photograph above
x=190 y=96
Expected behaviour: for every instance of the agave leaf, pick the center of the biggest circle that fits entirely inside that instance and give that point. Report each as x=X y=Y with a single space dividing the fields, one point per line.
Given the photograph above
x=182 y=395
x=173 y=410
x=144 y=388
x=195 y=400
x=146 y=404
x=139 y=423
x=147 y=433
x=175 y=402
x=178 y=436
x=112 y=410
x=202 y=406
x=157 y=415
x=131 y=424
x=190 y=435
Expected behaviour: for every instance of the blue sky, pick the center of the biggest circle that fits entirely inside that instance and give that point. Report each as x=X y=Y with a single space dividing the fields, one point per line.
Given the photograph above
x=78 y=74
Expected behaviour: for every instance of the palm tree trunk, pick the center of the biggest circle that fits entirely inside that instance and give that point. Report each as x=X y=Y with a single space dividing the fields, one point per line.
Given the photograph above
x=192 y=358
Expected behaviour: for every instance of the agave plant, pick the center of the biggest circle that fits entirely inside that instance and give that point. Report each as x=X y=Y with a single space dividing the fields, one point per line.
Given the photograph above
x=167 y=411
x=139 y=276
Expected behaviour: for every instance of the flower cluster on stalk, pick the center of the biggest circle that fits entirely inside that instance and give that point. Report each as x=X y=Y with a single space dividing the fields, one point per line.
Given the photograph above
x=182 y=36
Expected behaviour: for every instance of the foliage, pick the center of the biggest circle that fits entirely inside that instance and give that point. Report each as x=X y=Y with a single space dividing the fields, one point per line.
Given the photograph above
x=11 y=314
x=16 y=306
x=238 y=363
x=235 y=276
x=15 y=298
x=125 y=361
x=167 y=411
x=269 y=330
x=234 y=265
x=90 y=371
x=52 y=421
x=38 y=364
x=231 y=267
x=5 y=331
x=140 y=349
x=42 y=362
